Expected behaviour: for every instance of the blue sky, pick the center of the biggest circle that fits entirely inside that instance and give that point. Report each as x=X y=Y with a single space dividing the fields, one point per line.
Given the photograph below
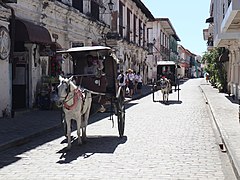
x=188 y=19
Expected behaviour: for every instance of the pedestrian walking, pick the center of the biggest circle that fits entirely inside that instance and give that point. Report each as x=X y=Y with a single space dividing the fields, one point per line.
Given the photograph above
x=207 y=77
x=130 y=81
x=139 y=83
x=122 y=80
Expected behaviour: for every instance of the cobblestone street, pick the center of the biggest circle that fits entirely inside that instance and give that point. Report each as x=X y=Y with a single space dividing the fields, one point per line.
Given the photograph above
x=176 y=140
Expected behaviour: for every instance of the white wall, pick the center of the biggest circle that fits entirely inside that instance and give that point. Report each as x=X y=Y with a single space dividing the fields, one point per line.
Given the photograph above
x=5 y=80
x=5 y=86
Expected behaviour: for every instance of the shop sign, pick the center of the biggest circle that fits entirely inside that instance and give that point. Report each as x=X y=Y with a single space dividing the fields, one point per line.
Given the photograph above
x=4 y=43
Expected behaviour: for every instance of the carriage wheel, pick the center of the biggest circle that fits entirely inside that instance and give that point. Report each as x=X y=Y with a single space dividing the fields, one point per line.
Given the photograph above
x=120 y=112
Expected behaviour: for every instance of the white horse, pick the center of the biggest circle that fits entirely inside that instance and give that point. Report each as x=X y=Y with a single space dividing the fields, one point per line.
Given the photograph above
x=76 y=104
x=166 y=87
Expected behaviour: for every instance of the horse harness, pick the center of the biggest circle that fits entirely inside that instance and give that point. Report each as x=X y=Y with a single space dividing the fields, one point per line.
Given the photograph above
x=164 y=83
x=77 y=94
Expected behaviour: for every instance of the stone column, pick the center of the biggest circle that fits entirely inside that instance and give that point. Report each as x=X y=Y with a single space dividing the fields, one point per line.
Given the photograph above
x=231 y=67
x=237 y=72
x=234 y=77
x=229 y=71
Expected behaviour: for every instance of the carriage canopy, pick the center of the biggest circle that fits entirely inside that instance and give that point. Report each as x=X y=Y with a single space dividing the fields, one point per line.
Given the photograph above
x=167 y=69
x=91 y=50
x=105 y=78
x=166 y=63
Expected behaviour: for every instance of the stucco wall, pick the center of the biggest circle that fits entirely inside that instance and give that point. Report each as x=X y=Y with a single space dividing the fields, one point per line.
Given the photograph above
x=5 y=80
x=5 y=89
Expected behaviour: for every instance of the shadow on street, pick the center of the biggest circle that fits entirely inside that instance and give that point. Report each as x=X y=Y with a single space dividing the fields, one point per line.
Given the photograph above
x=94 y=144
x=170 y=102
x=100 y=143
x=232 y=99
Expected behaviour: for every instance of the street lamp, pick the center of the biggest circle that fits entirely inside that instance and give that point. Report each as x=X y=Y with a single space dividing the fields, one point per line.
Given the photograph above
x=154 y=41
x=110 y=5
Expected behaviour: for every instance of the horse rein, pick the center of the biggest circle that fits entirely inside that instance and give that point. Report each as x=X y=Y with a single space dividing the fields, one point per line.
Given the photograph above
x=77 y=93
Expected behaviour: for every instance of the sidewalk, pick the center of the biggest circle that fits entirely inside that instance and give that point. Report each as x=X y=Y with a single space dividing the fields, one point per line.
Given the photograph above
x=26 y=125
x=226 y=116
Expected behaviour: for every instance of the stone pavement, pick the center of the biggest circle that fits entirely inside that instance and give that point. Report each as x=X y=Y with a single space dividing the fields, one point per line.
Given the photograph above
x=225 y=113
x=29 y=124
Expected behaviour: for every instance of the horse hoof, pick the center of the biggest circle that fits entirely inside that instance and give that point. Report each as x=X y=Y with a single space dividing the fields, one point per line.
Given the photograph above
x=79 y=143
x=84 y=141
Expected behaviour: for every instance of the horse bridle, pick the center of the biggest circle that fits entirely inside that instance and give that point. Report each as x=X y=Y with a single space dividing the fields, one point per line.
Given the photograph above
x=67 y=90
x=76 y=95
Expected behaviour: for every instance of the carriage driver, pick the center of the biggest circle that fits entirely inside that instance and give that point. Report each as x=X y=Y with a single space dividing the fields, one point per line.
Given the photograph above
x=94 y=66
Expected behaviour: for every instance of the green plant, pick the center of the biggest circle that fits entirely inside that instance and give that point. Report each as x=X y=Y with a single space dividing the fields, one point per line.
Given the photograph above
x=215 y=68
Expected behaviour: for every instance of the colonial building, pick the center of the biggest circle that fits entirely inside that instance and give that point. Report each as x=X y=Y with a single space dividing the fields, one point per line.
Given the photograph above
x=197 y=70
x=184 y=62
x=162 y=44
x=39 y=28
x=129 y=36
x=5 y=59
x=224 y=31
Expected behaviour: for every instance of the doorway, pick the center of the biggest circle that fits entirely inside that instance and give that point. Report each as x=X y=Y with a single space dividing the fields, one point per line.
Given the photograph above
x=20 y=81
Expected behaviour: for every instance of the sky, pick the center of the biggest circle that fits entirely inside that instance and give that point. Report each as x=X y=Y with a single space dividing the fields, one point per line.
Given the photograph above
x=187 y=18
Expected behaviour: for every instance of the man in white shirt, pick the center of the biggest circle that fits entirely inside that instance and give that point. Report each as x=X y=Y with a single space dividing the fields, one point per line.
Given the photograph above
x=131 y=79
x=122 y=78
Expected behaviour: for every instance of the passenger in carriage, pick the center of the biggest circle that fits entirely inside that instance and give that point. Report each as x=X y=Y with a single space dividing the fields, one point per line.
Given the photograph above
x=94 y=66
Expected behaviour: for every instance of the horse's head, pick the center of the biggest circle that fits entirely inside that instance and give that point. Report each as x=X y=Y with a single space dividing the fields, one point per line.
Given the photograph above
x=64 y=88
x=163 y=82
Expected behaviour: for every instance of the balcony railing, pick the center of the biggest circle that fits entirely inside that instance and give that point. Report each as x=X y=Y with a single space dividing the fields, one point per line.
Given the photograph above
x=231 y=15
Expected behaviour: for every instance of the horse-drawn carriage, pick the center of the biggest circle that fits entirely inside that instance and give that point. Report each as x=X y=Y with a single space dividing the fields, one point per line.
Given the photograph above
x=167 y=78
x=94 y=72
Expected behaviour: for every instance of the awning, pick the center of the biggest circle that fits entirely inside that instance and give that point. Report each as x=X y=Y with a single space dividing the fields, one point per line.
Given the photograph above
x=29 y=32
x=209 y=20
